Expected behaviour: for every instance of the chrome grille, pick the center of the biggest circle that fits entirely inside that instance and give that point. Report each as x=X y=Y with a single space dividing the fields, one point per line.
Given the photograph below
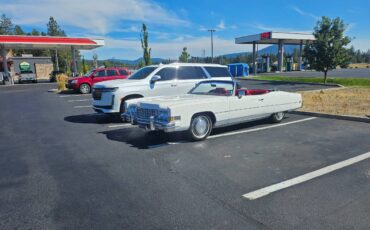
x=146 y=113
x=97 y=94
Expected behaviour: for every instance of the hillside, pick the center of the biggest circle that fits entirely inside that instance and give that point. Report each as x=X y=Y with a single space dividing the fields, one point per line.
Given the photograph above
x=273 y=49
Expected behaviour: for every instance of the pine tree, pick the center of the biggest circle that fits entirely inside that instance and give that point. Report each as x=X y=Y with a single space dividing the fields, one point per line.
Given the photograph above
x=6 y=25
x=144 y=44
x=184 y=57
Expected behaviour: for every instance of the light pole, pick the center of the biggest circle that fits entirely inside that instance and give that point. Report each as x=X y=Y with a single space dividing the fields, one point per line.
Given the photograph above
x=212 y=31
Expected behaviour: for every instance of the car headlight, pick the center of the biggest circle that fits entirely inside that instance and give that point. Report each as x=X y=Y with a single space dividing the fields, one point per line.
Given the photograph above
x=163 y=115
x=113 y=89
x=74 y=82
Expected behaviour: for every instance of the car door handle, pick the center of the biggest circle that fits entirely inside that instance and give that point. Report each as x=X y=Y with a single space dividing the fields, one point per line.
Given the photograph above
x=173 y=85
x=260 y=99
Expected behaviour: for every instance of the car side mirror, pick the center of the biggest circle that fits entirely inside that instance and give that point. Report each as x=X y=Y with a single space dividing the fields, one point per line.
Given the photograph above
x=155 y=78
x=241 y=93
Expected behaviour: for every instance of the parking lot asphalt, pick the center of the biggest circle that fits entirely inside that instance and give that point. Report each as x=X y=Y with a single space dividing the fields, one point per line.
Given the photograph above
x=65 y=167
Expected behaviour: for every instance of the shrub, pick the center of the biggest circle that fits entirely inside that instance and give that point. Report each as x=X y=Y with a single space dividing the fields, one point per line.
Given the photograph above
x=62 y=81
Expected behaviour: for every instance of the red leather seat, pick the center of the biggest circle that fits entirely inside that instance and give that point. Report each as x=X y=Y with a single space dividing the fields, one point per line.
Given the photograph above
x=221 y=91
x=252 y=91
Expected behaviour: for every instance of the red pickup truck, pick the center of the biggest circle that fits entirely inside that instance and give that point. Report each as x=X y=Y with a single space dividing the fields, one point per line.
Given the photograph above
x=84 y=83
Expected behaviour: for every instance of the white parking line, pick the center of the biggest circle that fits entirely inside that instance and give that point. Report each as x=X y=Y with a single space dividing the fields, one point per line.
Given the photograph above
x=164 y=144
x=29 y=84
x=120 y=125
x=75 y=95
x=79 y=100
x=262 y=128
x=305 y=177
x=82 y=106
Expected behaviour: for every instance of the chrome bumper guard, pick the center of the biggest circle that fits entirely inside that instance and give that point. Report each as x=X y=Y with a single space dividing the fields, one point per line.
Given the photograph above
x=150 y=124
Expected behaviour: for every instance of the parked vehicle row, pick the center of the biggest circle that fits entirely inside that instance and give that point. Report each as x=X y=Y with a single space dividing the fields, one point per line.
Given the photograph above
x=157 y=80
x=185 y=97
x=84 y=83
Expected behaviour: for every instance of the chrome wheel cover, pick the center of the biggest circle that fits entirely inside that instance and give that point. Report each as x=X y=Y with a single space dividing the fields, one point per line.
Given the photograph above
x=200 y=126
x=279 y=116
x=84 y=88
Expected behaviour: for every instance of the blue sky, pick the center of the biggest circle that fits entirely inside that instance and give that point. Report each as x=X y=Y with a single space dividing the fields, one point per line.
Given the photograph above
x=175 y=24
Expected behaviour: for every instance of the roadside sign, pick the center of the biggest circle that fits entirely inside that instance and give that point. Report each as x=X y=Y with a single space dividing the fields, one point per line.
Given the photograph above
x=24 y=66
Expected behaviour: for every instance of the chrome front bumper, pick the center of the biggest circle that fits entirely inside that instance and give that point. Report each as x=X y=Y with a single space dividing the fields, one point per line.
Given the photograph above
x=151 y=124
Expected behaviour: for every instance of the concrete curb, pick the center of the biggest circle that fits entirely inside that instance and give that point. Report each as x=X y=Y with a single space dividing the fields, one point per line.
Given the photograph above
x=290 y=82
x=340 y=117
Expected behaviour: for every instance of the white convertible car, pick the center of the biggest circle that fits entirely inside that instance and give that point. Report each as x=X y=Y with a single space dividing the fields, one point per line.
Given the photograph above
x=210 y=104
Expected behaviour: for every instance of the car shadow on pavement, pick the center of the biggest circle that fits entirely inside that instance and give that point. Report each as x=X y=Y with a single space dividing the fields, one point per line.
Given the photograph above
x=93 y=119
x=71 y=91
x=142 y=139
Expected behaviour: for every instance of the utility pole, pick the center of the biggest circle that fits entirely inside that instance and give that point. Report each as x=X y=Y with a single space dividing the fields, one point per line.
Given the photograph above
x=212 y=31
x=56 y=60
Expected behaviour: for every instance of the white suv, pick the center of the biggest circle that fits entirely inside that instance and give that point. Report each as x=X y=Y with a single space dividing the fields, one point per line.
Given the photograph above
x=172 y=79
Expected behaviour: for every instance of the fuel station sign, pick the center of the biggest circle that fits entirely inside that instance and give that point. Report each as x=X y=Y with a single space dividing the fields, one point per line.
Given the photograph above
x=24 y=66
x=265 y=35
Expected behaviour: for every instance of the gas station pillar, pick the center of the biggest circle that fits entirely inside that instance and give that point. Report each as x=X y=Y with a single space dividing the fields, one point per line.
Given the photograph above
x=267 y=63
x=5 y=67
x=254 y=59
x=281 y=56
x=300 y=56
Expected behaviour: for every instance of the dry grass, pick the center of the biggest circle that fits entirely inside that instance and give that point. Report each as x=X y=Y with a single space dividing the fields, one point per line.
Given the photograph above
x=353 y=101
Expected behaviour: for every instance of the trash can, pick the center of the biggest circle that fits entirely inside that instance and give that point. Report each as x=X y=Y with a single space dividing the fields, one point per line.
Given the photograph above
x=238 y=69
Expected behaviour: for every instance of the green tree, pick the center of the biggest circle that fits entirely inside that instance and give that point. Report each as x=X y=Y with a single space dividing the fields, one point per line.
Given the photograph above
x=184 y=57
x=95 y=60
x=18 y=30
x=35 y=32
x=107 y=63
x=85 y=67
x=144 y=44
x=328 y=50
x=64 y=55
x=53 y=29
x=6 y=25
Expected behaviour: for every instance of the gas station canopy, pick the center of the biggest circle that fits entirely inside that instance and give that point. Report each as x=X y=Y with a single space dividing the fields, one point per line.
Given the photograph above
x=44 y=42
x=279 y=38
x=290 y=38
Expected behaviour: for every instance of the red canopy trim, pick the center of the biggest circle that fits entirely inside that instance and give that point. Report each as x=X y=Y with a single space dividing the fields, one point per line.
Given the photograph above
x=46 y=40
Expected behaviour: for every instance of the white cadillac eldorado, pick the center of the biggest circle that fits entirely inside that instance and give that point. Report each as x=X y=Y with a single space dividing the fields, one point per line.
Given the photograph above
x=210 y=104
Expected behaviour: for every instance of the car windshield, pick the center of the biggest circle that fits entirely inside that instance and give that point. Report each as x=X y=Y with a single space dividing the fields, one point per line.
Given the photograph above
x=142 y=73
x=218 y=88
x=89 y=73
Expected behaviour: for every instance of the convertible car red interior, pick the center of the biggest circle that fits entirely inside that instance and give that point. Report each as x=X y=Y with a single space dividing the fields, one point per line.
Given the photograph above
x=252 y=91
x=223 y=91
